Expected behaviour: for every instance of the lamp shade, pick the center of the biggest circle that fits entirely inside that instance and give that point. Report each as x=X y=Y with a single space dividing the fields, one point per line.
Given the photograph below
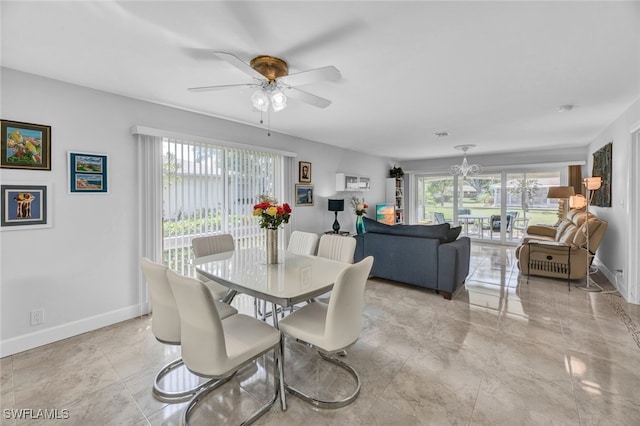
x=260 y=100
x=278 y=100
x=592 y=183
x=560 y=192
x=336 y=205
x=577 y=201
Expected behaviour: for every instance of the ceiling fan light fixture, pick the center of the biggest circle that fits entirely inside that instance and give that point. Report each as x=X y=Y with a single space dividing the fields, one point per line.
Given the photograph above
x=260 y=100
x=278 y=100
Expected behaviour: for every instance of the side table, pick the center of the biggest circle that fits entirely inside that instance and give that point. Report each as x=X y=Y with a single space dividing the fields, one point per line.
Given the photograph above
x=341 y=233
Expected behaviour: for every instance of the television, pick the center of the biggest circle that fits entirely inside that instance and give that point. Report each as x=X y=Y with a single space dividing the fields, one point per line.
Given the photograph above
x=386 y=213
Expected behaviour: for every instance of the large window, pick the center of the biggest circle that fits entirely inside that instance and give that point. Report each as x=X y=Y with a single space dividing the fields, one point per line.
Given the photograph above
x=483 y=203
x=212 y=189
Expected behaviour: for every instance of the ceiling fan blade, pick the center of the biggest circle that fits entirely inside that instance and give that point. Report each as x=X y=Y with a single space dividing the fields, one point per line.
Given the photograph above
x=221 y=87
x=329 y=73
x=307 y=97
x=239 y=63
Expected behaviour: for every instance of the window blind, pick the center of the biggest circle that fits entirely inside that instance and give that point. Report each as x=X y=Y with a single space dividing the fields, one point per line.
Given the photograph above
x=210 y=189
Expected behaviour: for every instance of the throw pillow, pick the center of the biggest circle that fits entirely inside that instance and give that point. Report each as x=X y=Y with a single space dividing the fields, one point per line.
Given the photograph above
x=453 y=234
x=425 y=231
x=371 y=225
x=439 y=231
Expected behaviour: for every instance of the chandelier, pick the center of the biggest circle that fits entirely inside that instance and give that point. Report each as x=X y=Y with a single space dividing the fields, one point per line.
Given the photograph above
x=465 y=168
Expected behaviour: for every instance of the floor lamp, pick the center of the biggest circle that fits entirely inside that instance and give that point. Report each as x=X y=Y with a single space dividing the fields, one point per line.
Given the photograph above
x=592 y=184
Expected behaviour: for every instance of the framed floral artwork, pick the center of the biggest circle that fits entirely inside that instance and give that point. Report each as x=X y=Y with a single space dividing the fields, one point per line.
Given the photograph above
x=25 y=206
x=88 y=173
x=25 y=146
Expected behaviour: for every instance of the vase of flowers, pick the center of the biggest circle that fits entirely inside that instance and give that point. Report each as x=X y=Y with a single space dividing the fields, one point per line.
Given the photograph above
x=360 y=209
x=272 y=215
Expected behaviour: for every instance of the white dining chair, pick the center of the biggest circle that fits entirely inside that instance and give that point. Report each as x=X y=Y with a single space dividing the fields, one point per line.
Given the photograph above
x=337 y=247
x=206 y=246
x=217 y=348
x=332 y=327
x=303 y=242
x=165 y=324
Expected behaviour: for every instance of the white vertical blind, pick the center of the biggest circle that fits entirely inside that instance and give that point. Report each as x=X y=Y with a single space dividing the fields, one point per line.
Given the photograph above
x=212 y=189
x=149 y=207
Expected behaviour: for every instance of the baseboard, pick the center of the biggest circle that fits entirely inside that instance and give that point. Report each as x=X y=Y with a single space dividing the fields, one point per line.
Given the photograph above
x=612 y=276
x=53 y=334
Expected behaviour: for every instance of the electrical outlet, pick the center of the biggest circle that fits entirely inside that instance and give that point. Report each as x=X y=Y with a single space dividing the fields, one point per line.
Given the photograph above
x=37 y=317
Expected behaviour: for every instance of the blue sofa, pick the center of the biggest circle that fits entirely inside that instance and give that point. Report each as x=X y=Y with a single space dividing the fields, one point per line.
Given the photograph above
x=429 y=256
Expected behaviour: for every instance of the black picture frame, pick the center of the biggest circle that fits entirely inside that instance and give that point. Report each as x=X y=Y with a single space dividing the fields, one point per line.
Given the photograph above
x=304 y=172
x=25 y=146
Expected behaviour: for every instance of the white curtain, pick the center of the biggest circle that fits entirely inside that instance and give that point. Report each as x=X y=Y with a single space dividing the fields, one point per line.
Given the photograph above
x=149 y=207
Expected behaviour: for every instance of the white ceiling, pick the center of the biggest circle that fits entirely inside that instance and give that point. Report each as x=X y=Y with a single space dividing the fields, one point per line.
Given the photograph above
x=490 y=73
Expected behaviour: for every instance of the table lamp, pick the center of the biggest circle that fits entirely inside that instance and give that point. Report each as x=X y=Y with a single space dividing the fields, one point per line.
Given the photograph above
x=336 y=206
x=561 y=193
x=577 y=202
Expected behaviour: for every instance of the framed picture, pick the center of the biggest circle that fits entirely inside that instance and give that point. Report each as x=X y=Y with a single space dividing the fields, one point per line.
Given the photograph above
x=88 y=173
x=304 y=172
x=304 y=195
x=25 y=146
x=25 y=206
x=602 y=166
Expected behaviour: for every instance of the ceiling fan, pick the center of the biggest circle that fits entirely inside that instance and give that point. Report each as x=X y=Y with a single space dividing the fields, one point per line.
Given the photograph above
x=274 y=83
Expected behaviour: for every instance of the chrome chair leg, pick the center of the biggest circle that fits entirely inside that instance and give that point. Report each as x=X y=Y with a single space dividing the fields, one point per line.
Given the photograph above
x=186 y=415
x=178 y=396
x=228 y=298
x=319 y=403
x=283 y=393
x=198 y=397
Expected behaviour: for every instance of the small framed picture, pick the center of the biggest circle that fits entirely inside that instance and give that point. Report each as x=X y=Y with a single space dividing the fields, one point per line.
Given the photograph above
x=304 y=195
x=25 y=206
x=25 y=146
x=88 y=173
x=304 y=172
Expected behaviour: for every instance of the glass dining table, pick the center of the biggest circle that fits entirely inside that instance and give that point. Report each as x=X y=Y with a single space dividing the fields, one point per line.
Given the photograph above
x=295 y=279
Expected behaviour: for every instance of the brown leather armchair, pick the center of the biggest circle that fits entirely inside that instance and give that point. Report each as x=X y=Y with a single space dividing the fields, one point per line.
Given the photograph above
x=567 y=255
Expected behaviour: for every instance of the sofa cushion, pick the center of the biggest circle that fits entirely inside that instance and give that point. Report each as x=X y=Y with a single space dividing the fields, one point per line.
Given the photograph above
x=568 y=235
x=562 y=227
x=580 y=238
x=439 y=232
x=453 y=233
x=371 y=225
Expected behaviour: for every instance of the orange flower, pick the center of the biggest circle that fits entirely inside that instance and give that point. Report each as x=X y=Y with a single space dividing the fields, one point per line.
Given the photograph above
x=272 y=215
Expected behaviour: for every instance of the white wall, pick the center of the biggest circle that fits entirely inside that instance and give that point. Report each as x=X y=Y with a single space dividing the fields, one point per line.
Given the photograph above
x=83 y=271
x=612 y=254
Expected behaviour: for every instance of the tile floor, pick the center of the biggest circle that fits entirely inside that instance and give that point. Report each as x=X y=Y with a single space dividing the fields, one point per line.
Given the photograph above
x=503 y=352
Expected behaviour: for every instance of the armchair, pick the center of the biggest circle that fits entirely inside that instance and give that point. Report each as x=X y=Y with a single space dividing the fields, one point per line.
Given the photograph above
x=556 y=261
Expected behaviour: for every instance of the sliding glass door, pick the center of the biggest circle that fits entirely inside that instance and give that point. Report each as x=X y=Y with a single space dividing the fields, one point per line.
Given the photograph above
x=435 y=199
x=209 y=189
x=492 y=206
